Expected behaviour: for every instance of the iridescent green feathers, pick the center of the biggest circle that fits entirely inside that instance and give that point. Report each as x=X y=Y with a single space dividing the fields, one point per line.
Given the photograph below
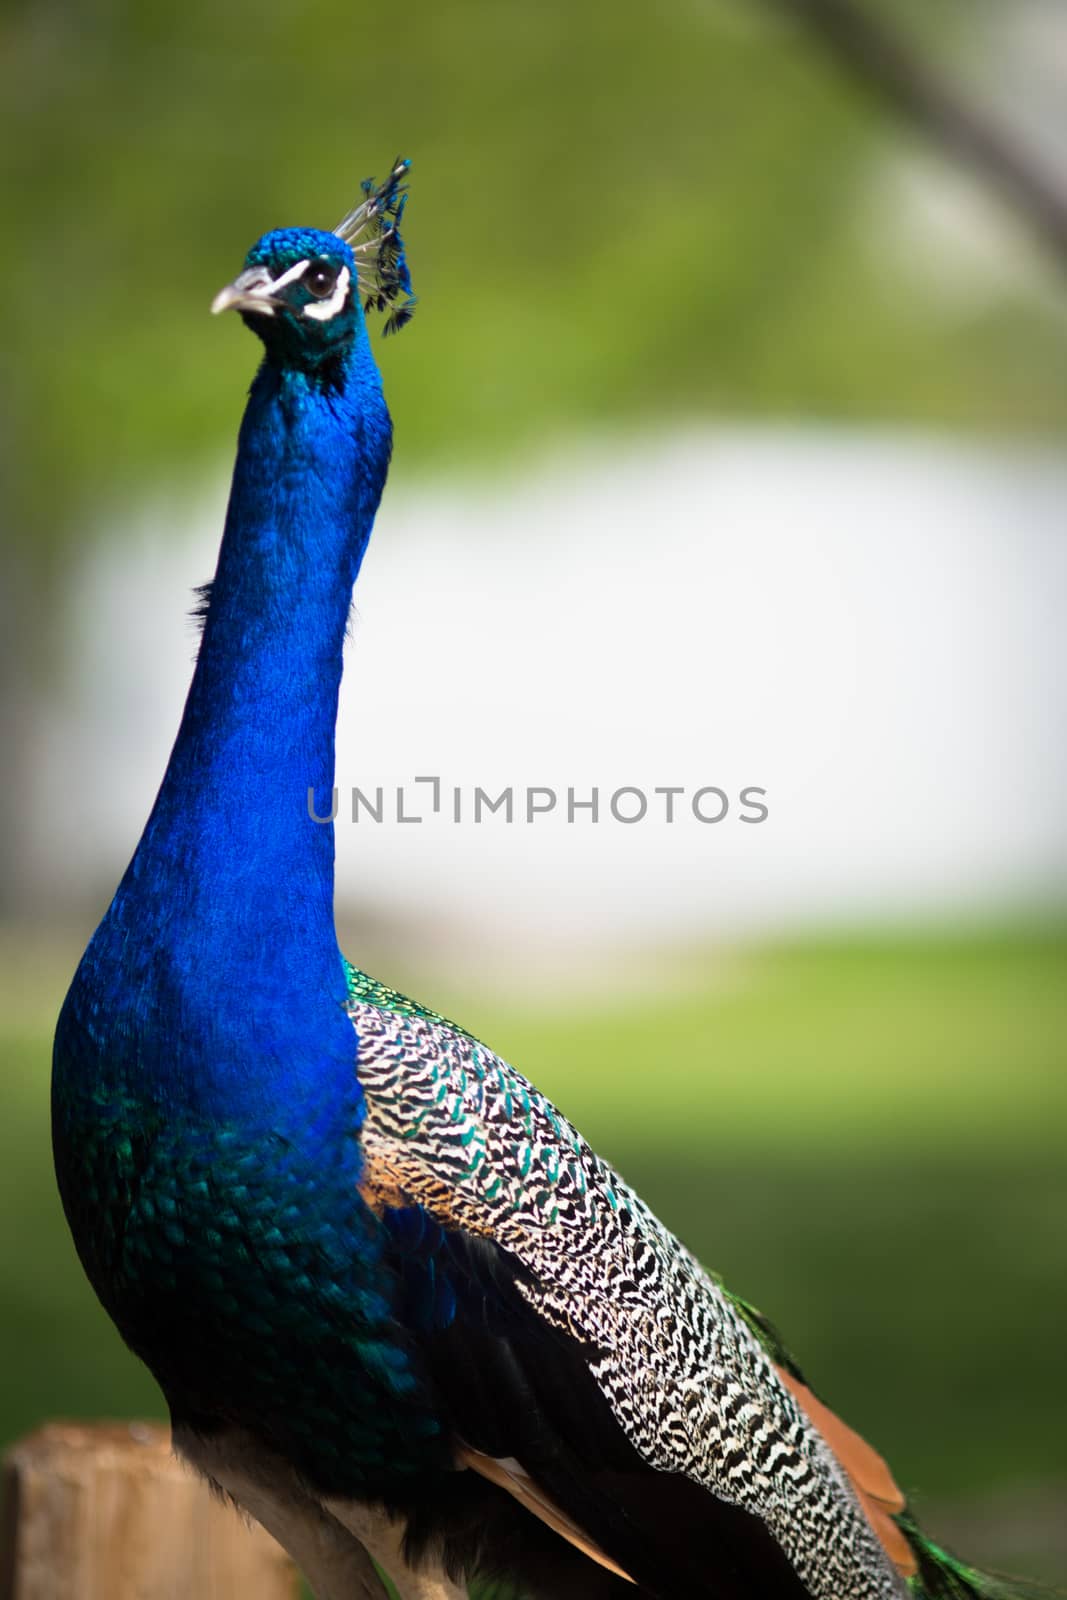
x=365 y=990
x=942 y=1576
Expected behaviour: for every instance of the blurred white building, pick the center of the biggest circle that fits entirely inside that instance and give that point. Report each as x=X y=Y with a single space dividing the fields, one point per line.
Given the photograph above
x=870 y=628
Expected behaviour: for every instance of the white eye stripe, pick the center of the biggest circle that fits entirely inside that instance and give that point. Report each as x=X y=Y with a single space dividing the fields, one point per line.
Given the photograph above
x=289 y=276
x=323 y=310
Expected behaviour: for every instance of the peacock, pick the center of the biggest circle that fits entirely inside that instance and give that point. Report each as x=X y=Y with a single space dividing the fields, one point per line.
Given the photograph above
x=400 y=1311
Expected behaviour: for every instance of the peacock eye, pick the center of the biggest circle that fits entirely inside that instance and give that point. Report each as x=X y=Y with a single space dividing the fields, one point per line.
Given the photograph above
x=320 y=279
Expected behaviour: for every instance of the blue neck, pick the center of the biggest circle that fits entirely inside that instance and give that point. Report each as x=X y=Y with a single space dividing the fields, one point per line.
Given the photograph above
x=227 y=906
x=231 y=822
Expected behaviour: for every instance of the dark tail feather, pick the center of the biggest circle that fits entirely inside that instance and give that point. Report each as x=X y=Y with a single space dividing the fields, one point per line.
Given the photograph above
x=942 y=1577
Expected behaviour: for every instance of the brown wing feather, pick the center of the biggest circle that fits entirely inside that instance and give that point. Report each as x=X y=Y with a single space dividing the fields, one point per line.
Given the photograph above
x=871 y=1478
x=512 y=1476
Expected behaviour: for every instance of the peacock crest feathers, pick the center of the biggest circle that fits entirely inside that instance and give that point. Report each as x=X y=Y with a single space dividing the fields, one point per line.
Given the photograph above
x=372 y=232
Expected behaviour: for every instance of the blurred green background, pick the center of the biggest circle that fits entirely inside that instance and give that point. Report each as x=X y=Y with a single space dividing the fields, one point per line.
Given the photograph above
x=622 y=219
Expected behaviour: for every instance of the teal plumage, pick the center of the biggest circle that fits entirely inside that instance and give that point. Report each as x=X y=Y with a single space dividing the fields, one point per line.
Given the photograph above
x=394 y=1300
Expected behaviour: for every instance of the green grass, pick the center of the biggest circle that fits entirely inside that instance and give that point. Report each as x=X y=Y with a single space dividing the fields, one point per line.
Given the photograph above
x=815 y=1050
x=865 y=1138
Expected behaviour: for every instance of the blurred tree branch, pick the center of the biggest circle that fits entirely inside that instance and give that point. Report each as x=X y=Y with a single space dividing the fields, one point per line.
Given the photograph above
x=873 y=51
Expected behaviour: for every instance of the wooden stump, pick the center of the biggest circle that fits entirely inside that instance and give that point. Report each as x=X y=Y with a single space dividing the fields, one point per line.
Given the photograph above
x=106 y=1512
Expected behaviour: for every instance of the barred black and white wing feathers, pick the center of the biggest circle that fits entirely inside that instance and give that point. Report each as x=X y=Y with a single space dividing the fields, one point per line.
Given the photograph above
x=543 y=1444
x=586 y=1349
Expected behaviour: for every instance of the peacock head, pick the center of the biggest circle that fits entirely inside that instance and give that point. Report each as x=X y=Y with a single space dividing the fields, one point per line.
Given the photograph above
x=305 y=291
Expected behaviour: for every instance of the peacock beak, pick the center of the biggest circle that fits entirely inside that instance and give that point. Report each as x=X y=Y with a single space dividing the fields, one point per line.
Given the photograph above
x=249 y=291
